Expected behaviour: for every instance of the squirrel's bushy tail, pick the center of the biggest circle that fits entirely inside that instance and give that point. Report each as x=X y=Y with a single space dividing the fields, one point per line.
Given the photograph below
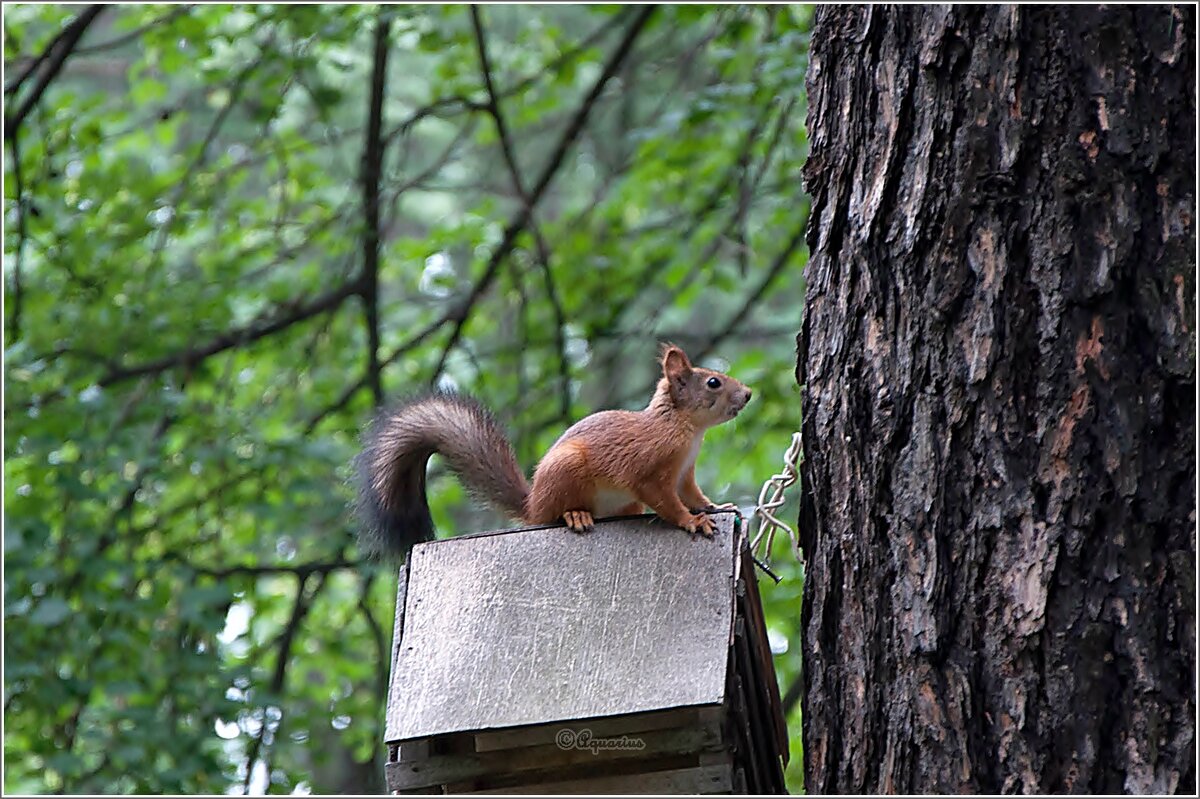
x=393 y=511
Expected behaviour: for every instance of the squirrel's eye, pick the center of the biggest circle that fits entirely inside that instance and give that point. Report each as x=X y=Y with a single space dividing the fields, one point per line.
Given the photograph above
x=714 y=382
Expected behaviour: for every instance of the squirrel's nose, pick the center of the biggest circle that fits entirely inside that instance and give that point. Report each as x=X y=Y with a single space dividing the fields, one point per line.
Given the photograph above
x=748 y=393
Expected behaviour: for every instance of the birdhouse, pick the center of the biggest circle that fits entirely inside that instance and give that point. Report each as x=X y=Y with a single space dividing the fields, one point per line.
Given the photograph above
x=632 y=659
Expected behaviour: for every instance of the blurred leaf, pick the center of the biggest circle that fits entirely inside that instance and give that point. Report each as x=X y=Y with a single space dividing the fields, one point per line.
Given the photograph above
x=49 y=612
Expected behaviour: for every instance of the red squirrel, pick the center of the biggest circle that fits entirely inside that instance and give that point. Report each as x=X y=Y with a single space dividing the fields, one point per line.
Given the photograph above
x=610 y=463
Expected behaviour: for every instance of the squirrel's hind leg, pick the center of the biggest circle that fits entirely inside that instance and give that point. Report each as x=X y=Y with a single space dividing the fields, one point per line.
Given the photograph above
x=563 y=488
x=579 y=521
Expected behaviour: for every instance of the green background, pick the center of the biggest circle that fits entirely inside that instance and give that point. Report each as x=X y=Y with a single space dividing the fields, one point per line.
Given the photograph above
x=185 y=384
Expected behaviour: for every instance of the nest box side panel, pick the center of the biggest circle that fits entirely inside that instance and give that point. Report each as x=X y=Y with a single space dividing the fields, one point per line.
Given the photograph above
x=543 y=625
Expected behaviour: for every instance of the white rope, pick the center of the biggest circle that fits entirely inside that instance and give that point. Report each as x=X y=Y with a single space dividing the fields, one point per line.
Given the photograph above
x=768 y=522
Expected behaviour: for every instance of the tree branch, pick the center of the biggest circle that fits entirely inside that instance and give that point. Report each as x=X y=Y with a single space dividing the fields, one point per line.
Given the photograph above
x=543 y=251
x=301 y=570
x=234 y=338
x=300 y=608
x=777 y=266
x=493 y=105
x=398 y=353
x=711 y=204
x=462 y=103
x=372 y=166
x=521 y=219
x=383 y=662
x=421 y=179
x=214 y=129
x=14 y=319
x=54 y=56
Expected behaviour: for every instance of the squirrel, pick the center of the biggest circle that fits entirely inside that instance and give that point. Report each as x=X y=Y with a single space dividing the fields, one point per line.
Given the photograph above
x=610 y=463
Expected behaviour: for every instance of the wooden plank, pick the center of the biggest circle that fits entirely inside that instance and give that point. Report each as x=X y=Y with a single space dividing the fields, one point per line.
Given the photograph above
x=767 y=773
x=697 y=780
x=737 y=734
x=412 y=750
x=747 y=746
x=544 y=625
x=757 y=629
x=739 y=781
x=610 y=725
x=581 y=771
x=395 y=751
x=555 y=759
x=715 y=757
x=398 y=624
x=760 y=751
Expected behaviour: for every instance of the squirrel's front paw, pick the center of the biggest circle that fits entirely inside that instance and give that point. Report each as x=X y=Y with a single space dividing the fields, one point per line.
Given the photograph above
x=701 y=524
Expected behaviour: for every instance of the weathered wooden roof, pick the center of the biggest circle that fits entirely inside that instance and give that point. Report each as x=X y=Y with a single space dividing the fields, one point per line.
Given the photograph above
x=542 y=625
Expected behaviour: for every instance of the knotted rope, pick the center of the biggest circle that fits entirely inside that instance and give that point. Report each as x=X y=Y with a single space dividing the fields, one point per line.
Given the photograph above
x=764 y=511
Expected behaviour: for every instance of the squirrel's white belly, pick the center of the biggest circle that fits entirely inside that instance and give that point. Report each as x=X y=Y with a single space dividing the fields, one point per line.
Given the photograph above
x=610 y=500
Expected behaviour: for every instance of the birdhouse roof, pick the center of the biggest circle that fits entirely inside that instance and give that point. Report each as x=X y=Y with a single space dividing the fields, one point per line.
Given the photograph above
x=541 y=625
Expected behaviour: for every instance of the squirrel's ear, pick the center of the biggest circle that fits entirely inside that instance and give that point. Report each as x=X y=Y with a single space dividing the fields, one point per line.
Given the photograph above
x=675 y=363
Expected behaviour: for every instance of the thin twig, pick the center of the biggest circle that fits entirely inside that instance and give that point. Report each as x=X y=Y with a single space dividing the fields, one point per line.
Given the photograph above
x=214 y=129
x=420 y=180
x=109 y=534
x=517 y=276
x=543 y=250
x=782 y=260
x=399 y=352
x=137 y=32
x=383 y=662
x=301 y=570
x=773 y=143
x=710 y=205
x=240 y=480
x=459 y=103
x=300 y=609
x=517 y=225
x=282 y=252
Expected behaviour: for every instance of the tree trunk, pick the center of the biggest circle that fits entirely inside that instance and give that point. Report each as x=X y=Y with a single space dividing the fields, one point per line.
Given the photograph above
x=998 y=361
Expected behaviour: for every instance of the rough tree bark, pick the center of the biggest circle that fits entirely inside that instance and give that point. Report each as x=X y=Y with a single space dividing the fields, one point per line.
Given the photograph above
x=998 y=361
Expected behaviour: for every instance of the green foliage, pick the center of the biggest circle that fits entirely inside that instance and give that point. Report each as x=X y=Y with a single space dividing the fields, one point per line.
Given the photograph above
x=186 y=347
